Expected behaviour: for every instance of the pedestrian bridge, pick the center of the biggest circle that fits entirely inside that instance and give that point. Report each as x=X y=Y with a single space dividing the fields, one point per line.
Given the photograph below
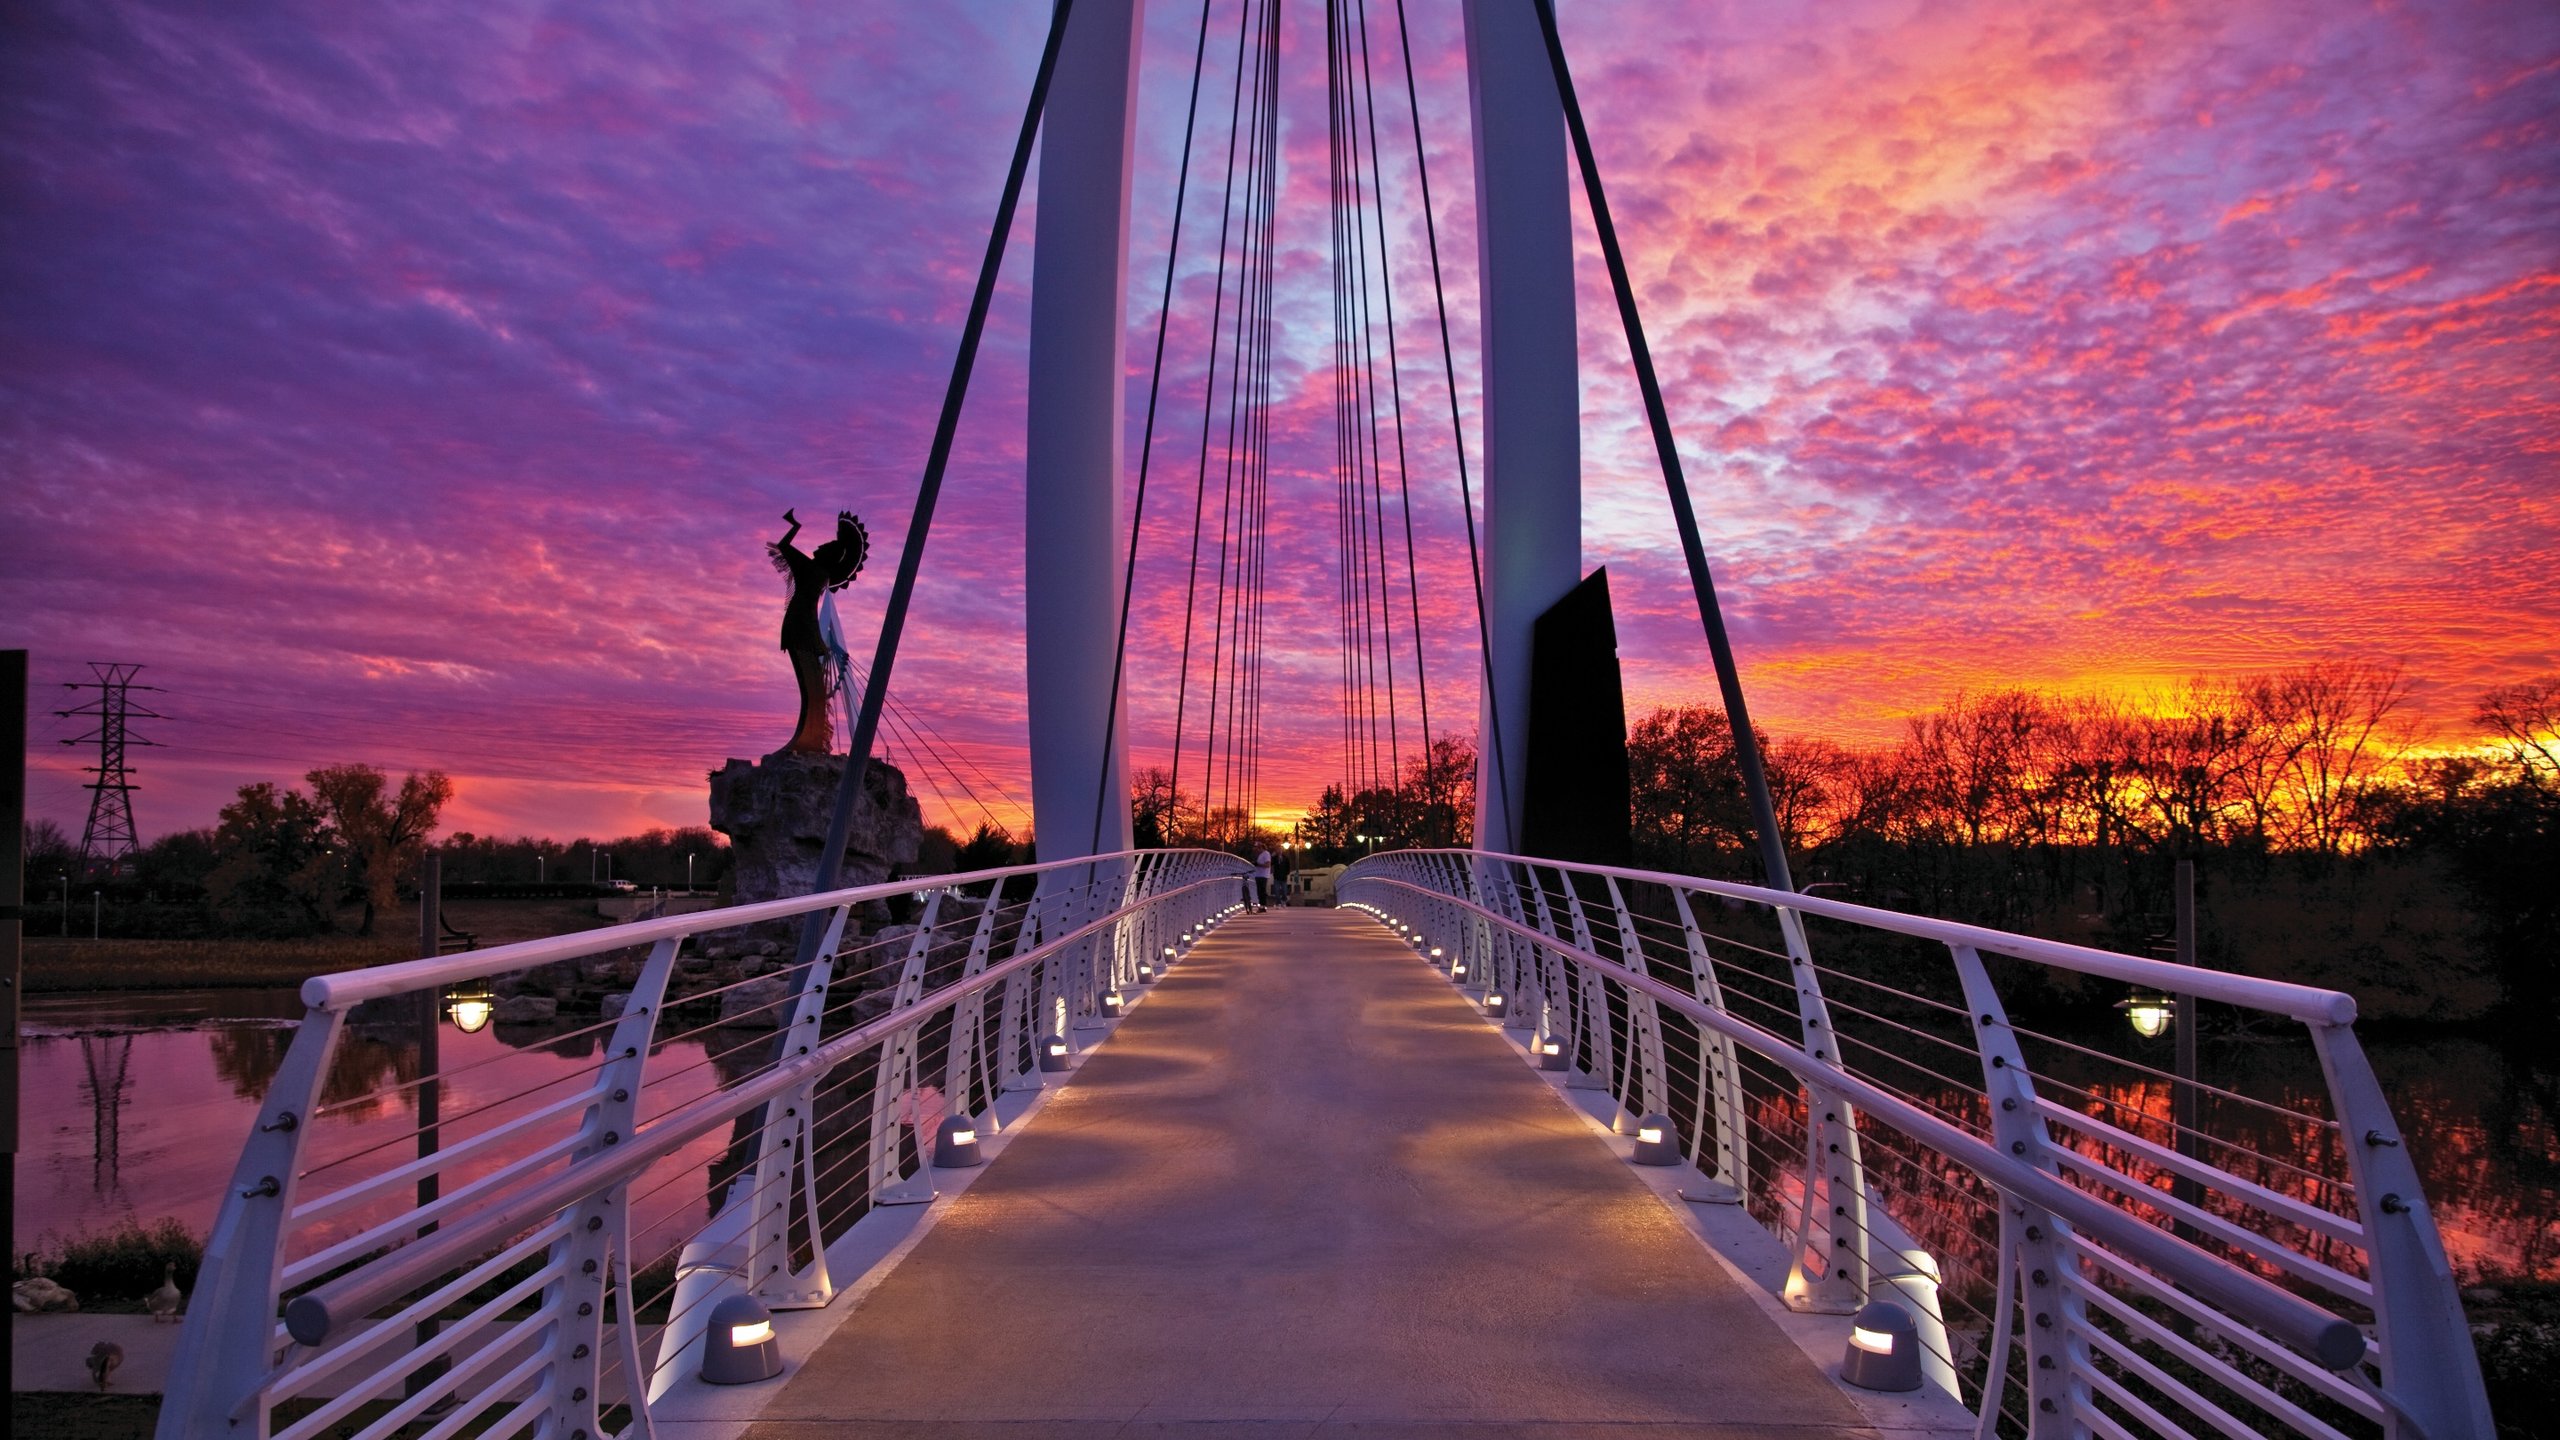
x=1500 y=1147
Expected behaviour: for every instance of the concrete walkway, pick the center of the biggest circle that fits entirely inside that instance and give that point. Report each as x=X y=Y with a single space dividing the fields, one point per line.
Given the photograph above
x=1305 y=1192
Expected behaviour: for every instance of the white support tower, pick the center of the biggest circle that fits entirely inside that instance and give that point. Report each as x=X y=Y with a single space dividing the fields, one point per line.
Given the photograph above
x=1532 y=395
x=1073 y=542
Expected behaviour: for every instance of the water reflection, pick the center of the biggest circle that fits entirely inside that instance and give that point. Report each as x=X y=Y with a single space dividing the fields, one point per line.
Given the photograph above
x=137 y=1105
x=2481 y=1123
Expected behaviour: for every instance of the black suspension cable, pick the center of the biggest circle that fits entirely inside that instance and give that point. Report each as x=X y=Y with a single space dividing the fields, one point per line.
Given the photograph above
x=1746 y=746
x=893 y=622
x=1373 y=500
x=1458 y=441
x=1208 y=404
x=1395 y=380
x=1218 y=634
x=1147 y=437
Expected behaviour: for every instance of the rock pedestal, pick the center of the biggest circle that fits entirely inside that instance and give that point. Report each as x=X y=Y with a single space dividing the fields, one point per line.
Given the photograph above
x=775 y=813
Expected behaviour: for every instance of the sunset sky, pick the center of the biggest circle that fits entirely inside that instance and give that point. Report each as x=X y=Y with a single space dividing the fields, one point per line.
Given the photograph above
x=417 y=383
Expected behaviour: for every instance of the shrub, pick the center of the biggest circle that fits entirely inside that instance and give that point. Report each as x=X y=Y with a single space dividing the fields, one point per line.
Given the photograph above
x=114 y=1269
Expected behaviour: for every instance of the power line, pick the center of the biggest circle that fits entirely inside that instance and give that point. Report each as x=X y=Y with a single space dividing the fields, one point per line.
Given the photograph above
x=107 y=843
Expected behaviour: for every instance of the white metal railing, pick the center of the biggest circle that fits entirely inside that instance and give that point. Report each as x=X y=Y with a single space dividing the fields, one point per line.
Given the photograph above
x=2079 y=1263
x=529 y=1239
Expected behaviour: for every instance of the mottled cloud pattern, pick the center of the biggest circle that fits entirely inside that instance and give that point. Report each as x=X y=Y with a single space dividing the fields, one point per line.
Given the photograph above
x=416 y=383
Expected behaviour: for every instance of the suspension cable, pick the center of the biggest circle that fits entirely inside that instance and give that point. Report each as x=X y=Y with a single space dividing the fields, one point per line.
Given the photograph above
x=1147 y=436
x=1208 y=402
x=1458 y=439
x=1746 y=746
x=893 y=621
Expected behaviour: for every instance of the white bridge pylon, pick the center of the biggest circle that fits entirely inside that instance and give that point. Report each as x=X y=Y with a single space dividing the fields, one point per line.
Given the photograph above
x=1074 y=536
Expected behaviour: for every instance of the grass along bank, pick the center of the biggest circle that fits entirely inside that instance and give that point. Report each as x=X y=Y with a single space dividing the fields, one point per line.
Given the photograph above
x=54 y=964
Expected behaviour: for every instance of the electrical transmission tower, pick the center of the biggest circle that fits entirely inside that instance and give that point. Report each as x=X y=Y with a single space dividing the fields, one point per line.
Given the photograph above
x=108 y=844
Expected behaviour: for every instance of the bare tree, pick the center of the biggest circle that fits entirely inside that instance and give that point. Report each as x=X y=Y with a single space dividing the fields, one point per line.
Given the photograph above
x=2525 y=720
x=2336 y=716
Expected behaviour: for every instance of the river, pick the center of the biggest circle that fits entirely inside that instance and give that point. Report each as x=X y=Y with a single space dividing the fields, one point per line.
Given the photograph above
x=137 y=1103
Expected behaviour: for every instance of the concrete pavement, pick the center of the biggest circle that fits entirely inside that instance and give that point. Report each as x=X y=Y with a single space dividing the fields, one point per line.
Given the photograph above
x=1304 y=1192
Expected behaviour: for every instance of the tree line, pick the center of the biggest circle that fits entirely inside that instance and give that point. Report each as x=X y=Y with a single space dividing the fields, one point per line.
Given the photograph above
x=285 y=861
x=2018 y=808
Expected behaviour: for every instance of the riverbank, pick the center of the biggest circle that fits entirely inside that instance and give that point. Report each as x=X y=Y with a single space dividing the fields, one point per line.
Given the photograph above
x=54 y=964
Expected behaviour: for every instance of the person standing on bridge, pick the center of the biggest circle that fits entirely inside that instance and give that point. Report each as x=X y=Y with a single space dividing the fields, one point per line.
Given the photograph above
x=1261 y=880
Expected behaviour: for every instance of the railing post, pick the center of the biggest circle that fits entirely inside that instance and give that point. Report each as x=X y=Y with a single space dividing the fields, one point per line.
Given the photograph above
x=965 y=1071
x=893 y=1086
x=1551 y=999
x=2055 y=1317
x=223 y=1352
x=1591 y=1031
x=2428 y=1357
x=1720 y=1070
x=1021 y=1008
x=1641 y=1076
x=786 y=1160
x=596 y=1258
x=1835 y=1174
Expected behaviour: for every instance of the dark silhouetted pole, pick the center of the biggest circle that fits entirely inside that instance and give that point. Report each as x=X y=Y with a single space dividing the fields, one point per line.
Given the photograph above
x=13 y=835
x=2182 y=1109
x=430 y=1063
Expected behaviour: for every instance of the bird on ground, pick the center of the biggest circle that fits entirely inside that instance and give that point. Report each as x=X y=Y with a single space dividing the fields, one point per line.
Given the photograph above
x=164 y=1302
x=104 y=1357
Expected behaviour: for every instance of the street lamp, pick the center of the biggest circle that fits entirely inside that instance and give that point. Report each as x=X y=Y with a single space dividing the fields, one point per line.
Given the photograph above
x=2150 y=1014
x=688 y=872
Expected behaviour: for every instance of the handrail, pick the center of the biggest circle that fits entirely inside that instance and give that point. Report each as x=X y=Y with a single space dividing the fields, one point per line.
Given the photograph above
x=348 y=988
x=2334 y=1342
x=2327 y=1315
x=998 y=968
x=312 y=1316
x=2307 y=1003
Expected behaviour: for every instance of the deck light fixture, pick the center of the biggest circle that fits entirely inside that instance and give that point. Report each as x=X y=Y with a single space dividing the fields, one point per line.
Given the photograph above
x=1653 y=1142
x=955 y=1145
x=1146 y=972
x=1113 y=1003
x=1053 y=1053
x=470 y=1010
x=1884 y=1349
x=740 y=1348
x=1551 y=1052
x=1435 y=952
x=1495 y=1005
x=1458 y=971
x=2152 y=1015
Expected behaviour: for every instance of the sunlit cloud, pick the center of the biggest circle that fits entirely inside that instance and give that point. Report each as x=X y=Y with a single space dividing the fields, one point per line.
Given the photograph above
x=420 y=387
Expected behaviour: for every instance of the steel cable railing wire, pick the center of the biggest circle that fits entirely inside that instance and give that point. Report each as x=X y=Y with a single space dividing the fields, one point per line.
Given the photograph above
x=2307 y=1329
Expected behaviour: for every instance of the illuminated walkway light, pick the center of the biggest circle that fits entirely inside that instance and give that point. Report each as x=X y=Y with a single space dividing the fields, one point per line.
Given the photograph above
x=1653 y=1142
x=1495 y=1006
x=1053 y=1053
x=1884 y=1349
x=955 y=1145
x=1551 y=1052
x=740 y=1348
